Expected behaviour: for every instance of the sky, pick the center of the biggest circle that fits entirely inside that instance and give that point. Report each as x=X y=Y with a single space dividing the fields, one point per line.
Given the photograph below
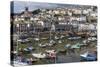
x=19 y=6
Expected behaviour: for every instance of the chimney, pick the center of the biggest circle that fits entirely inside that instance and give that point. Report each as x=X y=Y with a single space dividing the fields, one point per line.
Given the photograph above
x=26 y=8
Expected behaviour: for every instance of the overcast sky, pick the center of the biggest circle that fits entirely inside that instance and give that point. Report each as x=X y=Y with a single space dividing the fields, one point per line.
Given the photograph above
x=19 y=6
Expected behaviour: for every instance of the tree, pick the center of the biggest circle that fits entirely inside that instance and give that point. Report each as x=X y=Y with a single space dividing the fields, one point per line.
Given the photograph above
x=36 y=11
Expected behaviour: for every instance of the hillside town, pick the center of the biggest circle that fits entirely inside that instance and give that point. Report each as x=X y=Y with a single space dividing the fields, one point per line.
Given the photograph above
x=56 y=35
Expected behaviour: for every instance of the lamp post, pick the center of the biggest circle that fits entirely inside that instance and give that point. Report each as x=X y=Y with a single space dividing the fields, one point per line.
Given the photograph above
x=28 y=26
x=18 y=37
x=70 y=23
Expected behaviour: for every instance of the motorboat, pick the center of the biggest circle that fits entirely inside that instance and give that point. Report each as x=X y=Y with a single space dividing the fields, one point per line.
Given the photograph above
x=85 y=41
x=77 y=45
x=92 y=38
x=23 y=40
x=51 y=53
x=31 y=60
x=52 y=41
x=36 y=39
x=62 y=36
x=17 y=63
x=56 y=37
x=59 y=41
x=62 y=51
x=88 y=56
x=67 y=45
x=73 y=38
x=93 y=34
x=41 y=45
x=29 y=48
x=14 y=52
x=44 y=38
x=39 y=55
x=50 y=44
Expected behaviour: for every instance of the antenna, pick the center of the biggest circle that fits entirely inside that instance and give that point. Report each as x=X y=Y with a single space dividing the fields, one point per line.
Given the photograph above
x=26 y=6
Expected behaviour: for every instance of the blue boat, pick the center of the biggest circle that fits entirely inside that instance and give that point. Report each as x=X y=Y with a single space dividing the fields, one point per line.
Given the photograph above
x=88 y=57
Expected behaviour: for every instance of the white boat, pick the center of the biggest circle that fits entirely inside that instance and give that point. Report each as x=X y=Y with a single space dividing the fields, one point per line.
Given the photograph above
x=62 y=36
x=18 y=64
x=39 y=55
x=15 y=52
x=25 y=49
x=50 y=44
x=88 y=56
x=51 y=53
x=23 y=40
x=36 y=39
x=56 y=37
x=41 y=45
x=30 y=48
x=93 y=34
x=68 y=45
x=52 y=41
x=92 y=38
x=59 y=41
x=44 y=38
x=85 y=41
x=76 y=46
x=72 y=38
x=84 y=55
